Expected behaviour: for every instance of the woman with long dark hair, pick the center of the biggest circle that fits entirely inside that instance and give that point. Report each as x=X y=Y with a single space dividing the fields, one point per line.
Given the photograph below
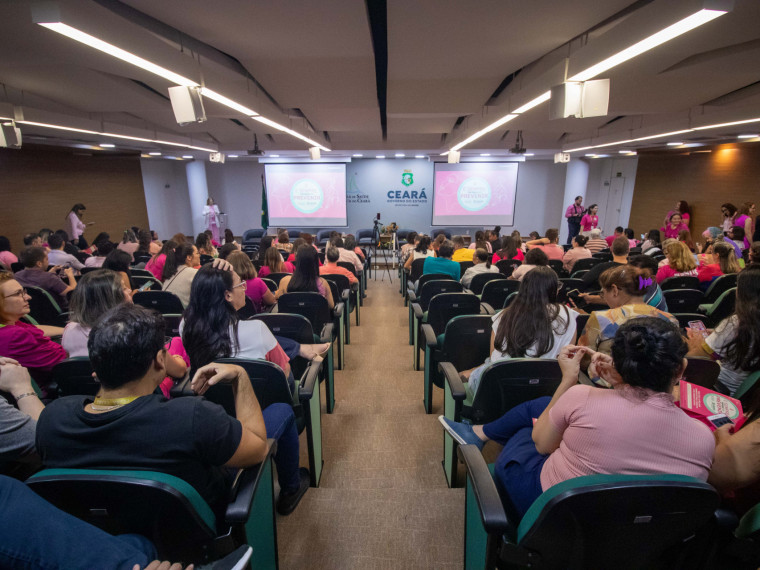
x=156 y=264
x=534 y=325
x=510 y=249
x=179 y=271
x=129 y=243
x=204 y=245
x=120 y=261
x=736 y=340
x=581 y=430
x=651 y=244
x=77 y=226
x=481 y=242
x=590 y=220
x=211 y=330
x=305 y=276
x=745 y=218
x=420 y=251
x=273 y=263
x=482 y=264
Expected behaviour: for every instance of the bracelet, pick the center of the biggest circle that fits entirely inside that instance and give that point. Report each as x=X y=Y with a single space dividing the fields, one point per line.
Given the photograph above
x=25 y=395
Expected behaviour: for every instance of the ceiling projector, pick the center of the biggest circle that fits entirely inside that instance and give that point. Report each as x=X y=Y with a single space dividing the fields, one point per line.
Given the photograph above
x=255 y=151
x=518 y=148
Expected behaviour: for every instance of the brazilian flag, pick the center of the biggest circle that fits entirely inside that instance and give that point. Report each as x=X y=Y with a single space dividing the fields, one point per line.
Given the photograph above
x=264 y=206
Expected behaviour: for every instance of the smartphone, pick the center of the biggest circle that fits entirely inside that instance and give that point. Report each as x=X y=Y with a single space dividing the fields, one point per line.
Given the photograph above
x=643 y=237
x=145 y=286
x=719 y=420
x=699 y=326
x=575 y=295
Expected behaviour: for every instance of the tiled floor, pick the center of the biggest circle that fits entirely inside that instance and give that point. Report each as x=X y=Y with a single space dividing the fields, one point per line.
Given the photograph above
x=383 y=500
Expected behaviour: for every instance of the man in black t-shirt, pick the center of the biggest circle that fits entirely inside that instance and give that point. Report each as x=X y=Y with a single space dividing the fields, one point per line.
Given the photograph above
x=127 y=426
x=619 y=249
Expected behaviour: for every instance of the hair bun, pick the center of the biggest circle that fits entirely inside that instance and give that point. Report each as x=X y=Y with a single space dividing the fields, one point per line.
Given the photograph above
x=637 y=345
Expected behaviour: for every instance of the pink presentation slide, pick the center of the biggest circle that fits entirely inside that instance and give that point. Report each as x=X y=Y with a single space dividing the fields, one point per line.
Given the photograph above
x=474 y=195
x=306 y=195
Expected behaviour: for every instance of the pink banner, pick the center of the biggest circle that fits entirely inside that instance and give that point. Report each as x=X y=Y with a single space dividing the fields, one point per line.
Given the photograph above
x=484 y=192
x=306 y=194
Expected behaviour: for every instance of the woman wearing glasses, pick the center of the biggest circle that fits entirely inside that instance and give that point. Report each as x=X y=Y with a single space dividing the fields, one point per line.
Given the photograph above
x=29 y=345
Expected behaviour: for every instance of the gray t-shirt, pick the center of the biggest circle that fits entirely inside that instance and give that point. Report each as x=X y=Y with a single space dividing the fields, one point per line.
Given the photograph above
x=17 y=431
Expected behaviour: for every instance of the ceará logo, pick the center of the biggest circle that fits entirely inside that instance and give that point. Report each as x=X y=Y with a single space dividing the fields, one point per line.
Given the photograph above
x=306 y=195
x=474 y=193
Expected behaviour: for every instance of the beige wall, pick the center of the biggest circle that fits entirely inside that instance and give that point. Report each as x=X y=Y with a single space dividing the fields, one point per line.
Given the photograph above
x=38 y=187
x=730 y=173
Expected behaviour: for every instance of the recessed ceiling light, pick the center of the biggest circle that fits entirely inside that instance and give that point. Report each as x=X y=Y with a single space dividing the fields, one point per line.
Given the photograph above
x=187 y=156
x=740 y=136
x=154 y=153
x=274 y=155
x=419 y=156
x=233 y=155
x=106 y=145
x=380 y=156
x=530 y=154
x=399 y=155
x=485 y=154
x=675 y=143
x=357 y=155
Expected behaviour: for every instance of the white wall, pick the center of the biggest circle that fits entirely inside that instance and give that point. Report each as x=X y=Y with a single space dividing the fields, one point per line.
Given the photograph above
x=236 y=188
x=610 y=184
x=166 y=197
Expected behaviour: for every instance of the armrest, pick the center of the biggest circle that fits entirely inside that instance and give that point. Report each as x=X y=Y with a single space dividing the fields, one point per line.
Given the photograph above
x=429 y=334
x=411 y=294
x=417 y=310
x=486 y=309
x=309 y=380
x=182 y=388
x=450 y=374
x=338 y=309
x=327 y=333
x=244 y=488
x=492 y=513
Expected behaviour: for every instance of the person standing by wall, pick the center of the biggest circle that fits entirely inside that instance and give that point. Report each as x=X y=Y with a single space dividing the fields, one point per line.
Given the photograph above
x=211 y=215
x=574 y=213
x=77 y=226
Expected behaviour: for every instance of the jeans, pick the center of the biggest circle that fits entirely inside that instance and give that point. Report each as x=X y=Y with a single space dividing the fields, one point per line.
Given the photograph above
x=281 y=425
x=518 y=468
x=291 y=348
x=573 y=228
x=37 y=535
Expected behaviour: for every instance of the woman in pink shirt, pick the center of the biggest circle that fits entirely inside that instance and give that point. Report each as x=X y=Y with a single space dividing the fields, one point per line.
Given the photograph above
x=745 y=218
x=156 y=264
x=6 y=256
x=549 y=244
x=680 y=262
x=590 y=220
x=578 y=251
x=674 y=226
x=682 y=207
x=584 y=430
x=510 y=249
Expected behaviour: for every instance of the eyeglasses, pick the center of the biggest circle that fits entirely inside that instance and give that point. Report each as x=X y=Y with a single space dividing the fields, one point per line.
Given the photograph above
x=20 y=293
x=242 y=285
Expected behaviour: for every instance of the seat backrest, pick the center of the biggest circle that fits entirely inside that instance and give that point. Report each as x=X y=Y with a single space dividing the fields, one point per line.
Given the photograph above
x=701 y=371
x=507 y=266
x=17 y=266
x=477 y=283
x=431 y=277
x=646 y=520
x=416 y=271
x=445 y=306
x=313 y=306
x=683 y=300
x=556 y=265
x=271 y=285
x=496 y=292
x=165 y=302
x=74 y=377
x=140 y=280
x=507 y=383
x=467 y=341
x=164 y=508
x=568 y=284
x=323 y=236
x=277 y=277
x=364 y=233
x=294 y=327
x=508 y=301
x=586 y=263
x=722 y=308
x=341 y=281
x=140 y=273
x=252 y=236
x=602 y=255
x=682 y=282
x=685 y=318
x=435 y=287
x=43 y=308
x=268 y=381
x=464 y=266
x=719 y=286
x=347 y=265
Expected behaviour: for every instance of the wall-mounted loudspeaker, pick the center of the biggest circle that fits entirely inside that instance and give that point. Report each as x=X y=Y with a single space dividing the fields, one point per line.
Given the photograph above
x=314 y=153
x=10 y=136
x=580 y=99
x=187 y=104
x=453 y=156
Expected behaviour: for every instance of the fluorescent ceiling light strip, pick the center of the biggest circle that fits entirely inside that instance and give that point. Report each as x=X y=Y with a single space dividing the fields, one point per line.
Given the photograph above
x=673 y=31
x=284 y=129
x=113 y=135
x=661 y=135
x=142 y=63
x=681 y=27
x=488 y=129
x=119 y=53
x=535 y=103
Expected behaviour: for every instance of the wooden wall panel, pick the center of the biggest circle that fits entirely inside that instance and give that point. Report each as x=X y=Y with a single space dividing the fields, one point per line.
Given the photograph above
x=38 y=187
x=730 y=173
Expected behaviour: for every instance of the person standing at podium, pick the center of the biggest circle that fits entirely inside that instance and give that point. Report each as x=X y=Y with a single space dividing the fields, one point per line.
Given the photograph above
x=211 y=214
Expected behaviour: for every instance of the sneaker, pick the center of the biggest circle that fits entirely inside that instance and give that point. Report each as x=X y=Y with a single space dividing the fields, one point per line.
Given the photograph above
x=236 y=560
x=288 y=502
x=463 y=434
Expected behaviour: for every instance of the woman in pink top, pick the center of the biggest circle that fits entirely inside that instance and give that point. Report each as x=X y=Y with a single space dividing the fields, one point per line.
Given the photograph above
x=273 y=263
x=510 y=249
x=6 y=256
x=584 y=430
x=156 y=264
x=578 y=251
x=590 y=220
x=674 y=226
x=255 y=288
x=682 y=207
x=745 y=219
x=549 y=244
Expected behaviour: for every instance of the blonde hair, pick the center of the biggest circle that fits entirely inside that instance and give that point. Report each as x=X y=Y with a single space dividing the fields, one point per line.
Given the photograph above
x=242 y=265
x=726 y=258
x=680 y=257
